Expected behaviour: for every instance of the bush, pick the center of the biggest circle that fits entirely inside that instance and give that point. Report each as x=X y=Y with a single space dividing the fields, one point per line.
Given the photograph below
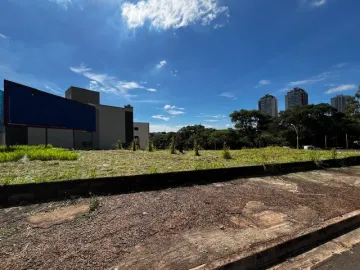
x=118 y=145
x=150 y=146
x=133 y=146
x=94 y=204
x=196 y=148
x=225 y=153
x=172 y=146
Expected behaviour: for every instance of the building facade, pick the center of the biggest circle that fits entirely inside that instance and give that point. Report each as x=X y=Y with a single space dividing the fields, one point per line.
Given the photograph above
x=296 y=97
x=268 y=104
x=141 y=133
x=112 y=124
x=339 y=102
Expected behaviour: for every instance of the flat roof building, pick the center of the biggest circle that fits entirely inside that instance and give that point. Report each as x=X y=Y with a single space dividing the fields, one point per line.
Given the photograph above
x=339 y=102
x=77 y=121
x=268 y=104
x=296 y=97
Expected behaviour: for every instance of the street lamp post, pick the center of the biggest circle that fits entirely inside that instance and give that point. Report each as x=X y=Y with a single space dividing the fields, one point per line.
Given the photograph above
x=297 y=136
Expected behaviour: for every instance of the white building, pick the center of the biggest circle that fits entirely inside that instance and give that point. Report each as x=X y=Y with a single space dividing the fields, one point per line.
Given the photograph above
x=141 y=133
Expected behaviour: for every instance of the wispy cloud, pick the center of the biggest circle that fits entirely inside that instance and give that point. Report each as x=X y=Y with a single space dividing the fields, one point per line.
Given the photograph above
x=167 y=14
x=211 y=120
x=217 y=116
x=151 y=89
x=341 y=88
x=340 y=65
x=161 y=117
x=174 y=112
x=64 y=3
x=228 y=95
x=3 y=36
x=174 y=72
x=52 y=89
x=161 y=64
x=262 y=83
x=106 y=83
x=314 y=3
x=312 y=80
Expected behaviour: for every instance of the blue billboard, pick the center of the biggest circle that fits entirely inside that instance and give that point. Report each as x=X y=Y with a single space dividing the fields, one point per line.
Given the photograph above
x=2 y=111
x=30 y=107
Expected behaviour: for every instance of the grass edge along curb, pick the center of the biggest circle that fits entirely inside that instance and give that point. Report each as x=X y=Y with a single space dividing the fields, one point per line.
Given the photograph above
x=51 y=191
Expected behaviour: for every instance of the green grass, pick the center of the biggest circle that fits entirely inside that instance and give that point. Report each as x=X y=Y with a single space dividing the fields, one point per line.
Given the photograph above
x=54 y=164
x=41 y=152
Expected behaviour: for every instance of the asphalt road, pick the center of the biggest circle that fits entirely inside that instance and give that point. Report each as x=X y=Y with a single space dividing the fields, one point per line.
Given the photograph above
x=349 y=260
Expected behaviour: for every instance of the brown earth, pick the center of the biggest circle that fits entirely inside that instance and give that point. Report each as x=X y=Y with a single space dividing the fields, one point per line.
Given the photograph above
x=177 y=228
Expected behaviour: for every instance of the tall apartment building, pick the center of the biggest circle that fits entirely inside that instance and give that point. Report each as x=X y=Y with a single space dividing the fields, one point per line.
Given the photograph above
x=339 y=102
x=268 y=104
x=296 y=97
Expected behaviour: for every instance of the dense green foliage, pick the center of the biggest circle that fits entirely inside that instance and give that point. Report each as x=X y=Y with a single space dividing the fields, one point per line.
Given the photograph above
x=40 y=152
x=319 y=125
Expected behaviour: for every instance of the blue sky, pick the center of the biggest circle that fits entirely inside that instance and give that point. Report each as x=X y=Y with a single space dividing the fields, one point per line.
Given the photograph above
x=183 y=62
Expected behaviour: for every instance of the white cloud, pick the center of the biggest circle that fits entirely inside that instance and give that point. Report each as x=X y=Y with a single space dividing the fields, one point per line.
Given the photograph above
x=164 y=128
x=161 y=64
x=340 y=65
x=107 y=84
x=151 y=89
x=173 y=112
x=166 y=14
x=167 y=107
x=341 y=88
x=262 y=83
x=161 y=117
x=228 y=95
x=3 y=36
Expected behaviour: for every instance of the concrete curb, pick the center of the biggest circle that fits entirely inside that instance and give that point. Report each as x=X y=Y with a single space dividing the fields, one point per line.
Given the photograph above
x=268 y=254
x=11 y=195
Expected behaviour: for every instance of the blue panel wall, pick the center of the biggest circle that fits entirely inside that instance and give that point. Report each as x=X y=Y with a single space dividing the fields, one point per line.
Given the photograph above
x=2 y=111
x=31 y=107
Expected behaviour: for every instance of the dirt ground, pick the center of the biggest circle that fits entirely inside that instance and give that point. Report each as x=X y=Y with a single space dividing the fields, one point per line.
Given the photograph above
x=177 y=228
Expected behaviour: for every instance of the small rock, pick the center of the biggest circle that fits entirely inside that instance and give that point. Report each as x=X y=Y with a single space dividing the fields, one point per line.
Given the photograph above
x=222 y=227
x=144 y=213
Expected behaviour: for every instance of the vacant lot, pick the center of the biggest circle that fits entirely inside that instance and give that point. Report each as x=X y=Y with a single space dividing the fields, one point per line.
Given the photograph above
x=176 y=228
x=90 y=164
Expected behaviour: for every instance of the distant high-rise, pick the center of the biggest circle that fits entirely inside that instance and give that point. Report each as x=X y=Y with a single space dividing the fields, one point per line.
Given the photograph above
x=296 y=97
x=339 y=102
x=268 y=104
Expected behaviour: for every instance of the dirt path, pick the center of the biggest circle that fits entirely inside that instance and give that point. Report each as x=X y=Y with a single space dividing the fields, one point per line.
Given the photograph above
x=176 y=228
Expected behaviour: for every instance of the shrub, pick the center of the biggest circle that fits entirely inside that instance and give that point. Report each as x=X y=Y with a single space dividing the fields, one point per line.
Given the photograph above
x=118 y=145
x=133 y=146
x=172 y=146
x=150 y=146
x=196 y=148
x=94 y=204
x=225 y=153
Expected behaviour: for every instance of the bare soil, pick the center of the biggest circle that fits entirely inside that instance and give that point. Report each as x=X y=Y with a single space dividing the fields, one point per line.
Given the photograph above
x=177 y=228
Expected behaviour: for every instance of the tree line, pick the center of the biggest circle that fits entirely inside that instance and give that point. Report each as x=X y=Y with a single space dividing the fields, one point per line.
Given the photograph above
x=320 y=125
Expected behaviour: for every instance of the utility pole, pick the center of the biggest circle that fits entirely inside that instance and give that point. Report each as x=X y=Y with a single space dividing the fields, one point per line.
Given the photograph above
x=297 y=136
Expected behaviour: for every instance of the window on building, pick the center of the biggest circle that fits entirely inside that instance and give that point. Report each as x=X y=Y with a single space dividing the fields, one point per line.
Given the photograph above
x=136 y=128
